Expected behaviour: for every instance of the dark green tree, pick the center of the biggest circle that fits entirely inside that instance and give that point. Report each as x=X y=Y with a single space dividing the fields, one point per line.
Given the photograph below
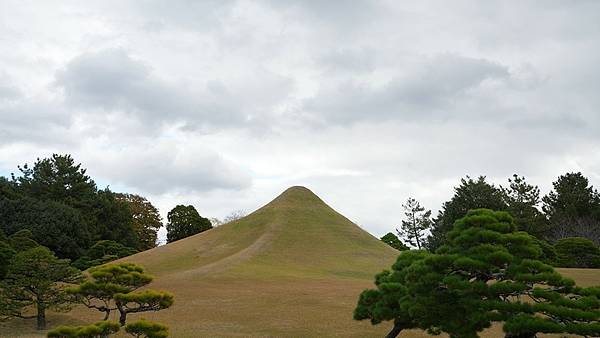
x=390 y=300
x=52 y=224
x=573 y=208
x=486 y=272
x=470 y=194
x=36 y=278
x=146 y=220
x=145 y=329
x=577 y=252
x=56 y=184
x=523 y=200
x=57 y=178
x=417 y=221
x=113 y=219
x=393 y=241
x=97 y=330
x=22 y=240
x=102 y=252
x=184 y=221
x=112 y=287
x=6 y=254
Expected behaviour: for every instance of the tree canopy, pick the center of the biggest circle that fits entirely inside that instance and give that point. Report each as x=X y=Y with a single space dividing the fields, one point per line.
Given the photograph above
x=523 y=202
x=486 y=272
x=393 y=241
x=146 y=220
x=417 y=221
x=184 y=221
x=111 y=287
x=573 y=208
x=60 y=204
x=36 y=278
x=470 y=194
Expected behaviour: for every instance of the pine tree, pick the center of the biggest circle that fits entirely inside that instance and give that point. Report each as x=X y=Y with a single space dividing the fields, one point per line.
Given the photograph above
x=36 y=279
x=417 y=222
x=111 y=288
x=487 y=272
x=470 y=194
x=522 y=200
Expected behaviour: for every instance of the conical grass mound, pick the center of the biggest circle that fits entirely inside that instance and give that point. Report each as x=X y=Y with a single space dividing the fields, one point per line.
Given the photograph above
x=293 y=268
x=295 y=235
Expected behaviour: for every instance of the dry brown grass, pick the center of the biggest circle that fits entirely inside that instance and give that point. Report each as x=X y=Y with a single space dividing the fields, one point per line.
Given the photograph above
x=292 y=269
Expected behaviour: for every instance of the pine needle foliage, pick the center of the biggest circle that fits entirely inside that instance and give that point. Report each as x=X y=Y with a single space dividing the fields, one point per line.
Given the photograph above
x=146 y=329
x=111 y=287
x=487 y=272
x=97 y=330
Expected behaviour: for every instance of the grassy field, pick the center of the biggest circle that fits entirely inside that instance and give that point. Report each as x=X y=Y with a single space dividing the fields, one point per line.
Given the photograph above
x=293 y=268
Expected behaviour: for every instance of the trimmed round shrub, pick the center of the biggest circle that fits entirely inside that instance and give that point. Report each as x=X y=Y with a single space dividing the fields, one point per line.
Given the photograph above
x=97 y=330
x=577 y=252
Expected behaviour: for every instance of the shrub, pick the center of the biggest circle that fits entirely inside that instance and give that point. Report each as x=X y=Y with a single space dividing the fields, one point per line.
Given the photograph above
x=145 y=329
x=577 y=252
x=97 y=330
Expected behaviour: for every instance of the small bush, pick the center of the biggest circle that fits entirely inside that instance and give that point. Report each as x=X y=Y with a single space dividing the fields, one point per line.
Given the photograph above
x=145 y=329
x=96 y=330
x=577 y=252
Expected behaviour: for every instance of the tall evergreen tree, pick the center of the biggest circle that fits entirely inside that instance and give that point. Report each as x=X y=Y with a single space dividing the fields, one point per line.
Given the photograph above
x=113 y=219
x=56 y=198
x=58 y=178
x=522 y=200
x=573 y=208
x=470 y=194
x=417 y=221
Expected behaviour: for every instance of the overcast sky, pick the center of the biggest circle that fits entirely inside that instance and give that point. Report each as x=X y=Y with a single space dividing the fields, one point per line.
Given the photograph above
x=224 y=104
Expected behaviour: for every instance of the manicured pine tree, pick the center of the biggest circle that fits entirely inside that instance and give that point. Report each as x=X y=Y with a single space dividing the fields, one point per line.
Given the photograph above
x=487 y=272
x=97 y=330
x=111 y=288
x=145 y=329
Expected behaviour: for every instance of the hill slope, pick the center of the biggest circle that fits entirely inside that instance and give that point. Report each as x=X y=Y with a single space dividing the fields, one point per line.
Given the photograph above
x=292 y=268
x=296 y=234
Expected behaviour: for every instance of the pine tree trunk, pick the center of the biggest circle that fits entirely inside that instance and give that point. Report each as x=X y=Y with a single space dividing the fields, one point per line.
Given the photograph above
x=521 y=335
x=122 y=313
x=41 y=316
x=122 y=318
x=395 y=331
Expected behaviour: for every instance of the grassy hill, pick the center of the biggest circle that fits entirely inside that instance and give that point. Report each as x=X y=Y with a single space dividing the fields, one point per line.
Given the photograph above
x=293 y=268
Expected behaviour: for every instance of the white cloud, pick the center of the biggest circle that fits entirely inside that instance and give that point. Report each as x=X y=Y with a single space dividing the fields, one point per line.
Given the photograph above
x=223 y=104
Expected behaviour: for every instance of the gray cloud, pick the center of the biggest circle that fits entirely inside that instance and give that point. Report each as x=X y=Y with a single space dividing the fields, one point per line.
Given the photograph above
x=114 y=81
x=161 y=167
x=225 y=103
x=428 y=92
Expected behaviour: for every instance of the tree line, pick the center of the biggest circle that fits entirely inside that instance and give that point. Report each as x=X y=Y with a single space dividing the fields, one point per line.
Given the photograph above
x=566 y=221
x=55 y=222
x=60 y=207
